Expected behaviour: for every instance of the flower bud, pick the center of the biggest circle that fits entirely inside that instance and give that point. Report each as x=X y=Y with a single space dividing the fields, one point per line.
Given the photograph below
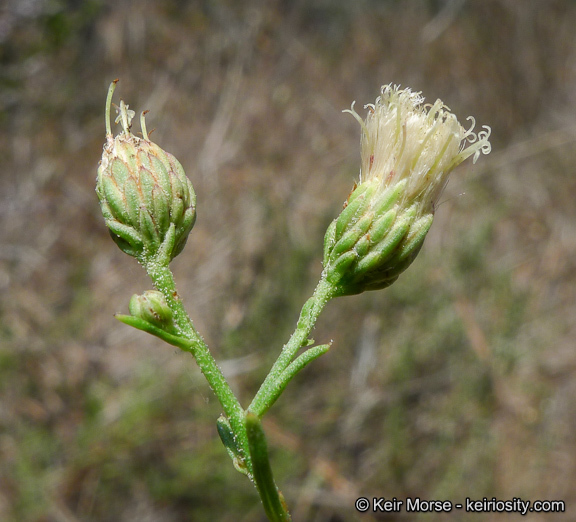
x=152 y=308
x=408 y=152
x=145 y=197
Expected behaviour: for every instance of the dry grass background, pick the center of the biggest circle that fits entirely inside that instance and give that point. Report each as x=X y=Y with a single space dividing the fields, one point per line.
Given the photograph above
x=460 y=380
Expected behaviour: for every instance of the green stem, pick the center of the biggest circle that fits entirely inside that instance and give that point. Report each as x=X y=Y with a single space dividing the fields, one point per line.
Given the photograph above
x=273 y=384
x=241 y=431
x=272 y=499
x=163 y=280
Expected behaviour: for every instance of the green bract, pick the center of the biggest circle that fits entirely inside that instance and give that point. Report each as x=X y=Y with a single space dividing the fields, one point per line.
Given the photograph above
x=143 y=192
x=376 y=243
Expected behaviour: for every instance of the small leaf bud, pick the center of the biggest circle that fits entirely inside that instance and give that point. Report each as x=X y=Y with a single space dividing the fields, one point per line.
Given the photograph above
x=151 y=307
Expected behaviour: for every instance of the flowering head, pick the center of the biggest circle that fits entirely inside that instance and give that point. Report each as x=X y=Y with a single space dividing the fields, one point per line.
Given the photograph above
x=147 y=201
x=408 y=152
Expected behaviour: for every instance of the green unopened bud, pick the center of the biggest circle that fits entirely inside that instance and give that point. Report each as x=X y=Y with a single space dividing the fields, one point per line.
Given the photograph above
x=152 y=308
x=146 y=199
x=408 y=152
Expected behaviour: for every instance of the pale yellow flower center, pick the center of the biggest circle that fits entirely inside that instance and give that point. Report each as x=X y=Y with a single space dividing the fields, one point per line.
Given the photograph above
x=404 y=139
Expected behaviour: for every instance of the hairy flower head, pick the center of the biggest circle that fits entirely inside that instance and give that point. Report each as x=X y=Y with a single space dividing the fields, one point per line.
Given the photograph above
x=402 y=138
x=408 y=152
x=147 y=201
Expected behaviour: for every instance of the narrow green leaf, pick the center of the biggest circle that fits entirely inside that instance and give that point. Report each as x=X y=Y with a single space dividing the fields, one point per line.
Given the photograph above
x=229 y=440
x=329 y=240
x=145 y=326
x=301 y=362
x=305 y=314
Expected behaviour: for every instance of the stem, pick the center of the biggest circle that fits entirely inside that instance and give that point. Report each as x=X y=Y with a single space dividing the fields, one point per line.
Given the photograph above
x=241 y=431
x=273 y=385
x=163 y=279
x=272 y=499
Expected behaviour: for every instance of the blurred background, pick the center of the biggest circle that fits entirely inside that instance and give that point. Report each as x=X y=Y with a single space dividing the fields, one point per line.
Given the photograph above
x=458 y=381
